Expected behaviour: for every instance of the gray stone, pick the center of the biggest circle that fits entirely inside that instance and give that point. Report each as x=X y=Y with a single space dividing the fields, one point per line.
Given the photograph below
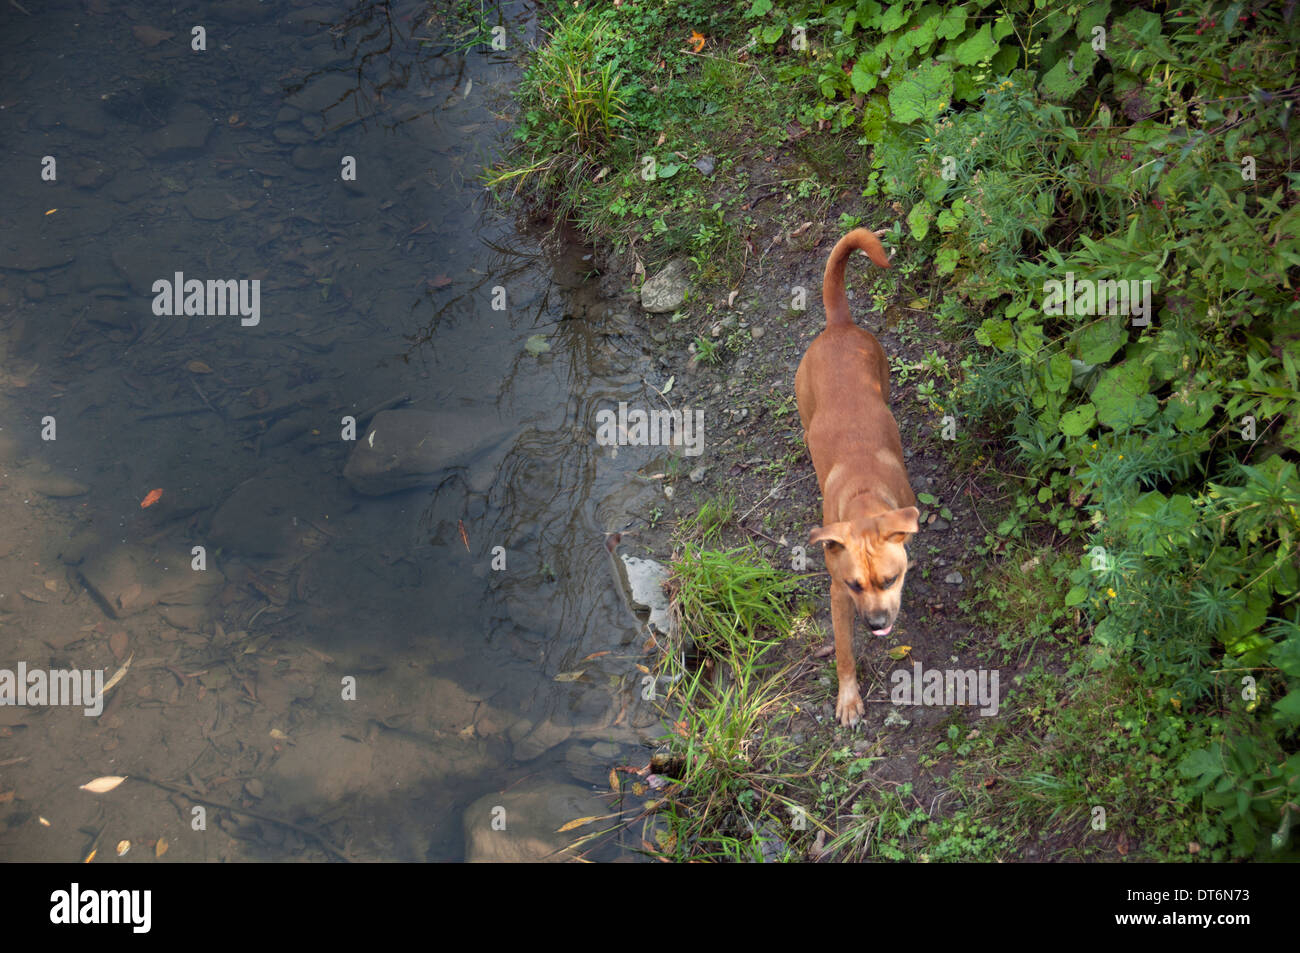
x=323 y=766
x=97 y=272
x=57 y=486
x=91 y=176
x=23 y=251
x=132 y=578
x=187 y=133
x=402 y=449
x=325 y=92
x=241 y=11
x=85 y=122
x=310 y=20
x=130 y=185
x=291 y=135
x=311 y=158
x=268 y=515
x=208 y=205
x=143 y=262
x=532 y=741
x=667 y=290
x=953 y=578
x=519 y=826
x=644 y=580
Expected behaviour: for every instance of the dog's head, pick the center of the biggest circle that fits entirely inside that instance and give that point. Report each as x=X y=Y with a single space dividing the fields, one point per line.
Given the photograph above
x=867 y=557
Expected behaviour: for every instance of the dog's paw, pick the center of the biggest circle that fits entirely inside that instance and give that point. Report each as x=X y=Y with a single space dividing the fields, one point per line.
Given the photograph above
x=848 y=705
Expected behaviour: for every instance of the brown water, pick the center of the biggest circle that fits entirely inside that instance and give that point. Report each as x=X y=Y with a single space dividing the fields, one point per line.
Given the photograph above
x=346 y=665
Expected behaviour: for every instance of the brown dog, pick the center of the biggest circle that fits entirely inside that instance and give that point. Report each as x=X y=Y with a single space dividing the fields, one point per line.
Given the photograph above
x=868 y=510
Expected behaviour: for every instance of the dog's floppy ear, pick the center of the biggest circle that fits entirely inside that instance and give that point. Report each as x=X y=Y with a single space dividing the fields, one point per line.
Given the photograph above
x=832 y=534
x=896 y=525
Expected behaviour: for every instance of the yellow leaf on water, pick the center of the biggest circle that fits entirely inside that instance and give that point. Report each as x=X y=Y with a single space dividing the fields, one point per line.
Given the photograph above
x=198 y=367
x=103 y=785
x=899 y=652
x=122 y=847
x=579 y=823
x=613 y=780
x=161 y=847
x=570 y=676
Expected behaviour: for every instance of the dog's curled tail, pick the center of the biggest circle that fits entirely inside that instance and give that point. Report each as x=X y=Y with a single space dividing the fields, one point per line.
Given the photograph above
x=834 y=300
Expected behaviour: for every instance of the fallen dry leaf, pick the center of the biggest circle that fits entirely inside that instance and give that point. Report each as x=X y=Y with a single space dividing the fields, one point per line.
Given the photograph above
x=153 y=497
x=103 y=785
x=580 y=822
x=198 y=367
x=161 y=847
x=119 y=674
x=570 y=676
x=122 y=847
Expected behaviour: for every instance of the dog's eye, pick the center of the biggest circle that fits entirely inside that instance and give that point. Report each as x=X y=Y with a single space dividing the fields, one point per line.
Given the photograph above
x=855 y=585
x=889 y=583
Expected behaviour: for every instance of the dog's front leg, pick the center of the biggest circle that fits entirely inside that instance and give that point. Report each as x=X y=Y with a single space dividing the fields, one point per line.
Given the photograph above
x=848 y=703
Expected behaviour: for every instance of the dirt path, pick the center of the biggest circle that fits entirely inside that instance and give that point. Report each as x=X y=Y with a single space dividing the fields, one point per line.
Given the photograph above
x=755 y=453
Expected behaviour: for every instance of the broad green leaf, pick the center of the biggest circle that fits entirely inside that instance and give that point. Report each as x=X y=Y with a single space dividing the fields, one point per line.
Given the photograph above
x=1121 y=396
x=1098 y=341
x=1077 y=422
x=980 y=45
x=918 y=220
x=922 y=94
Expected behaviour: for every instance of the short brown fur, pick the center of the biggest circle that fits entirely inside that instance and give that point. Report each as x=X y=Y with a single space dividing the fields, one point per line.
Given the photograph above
x=868 y=508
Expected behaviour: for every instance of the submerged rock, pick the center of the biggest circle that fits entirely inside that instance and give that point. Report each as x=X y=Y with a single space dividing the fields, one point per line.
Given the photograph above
x=402 y=449
x=132 y=578
x=644 y=581
x=534 y=740
x=519 y=826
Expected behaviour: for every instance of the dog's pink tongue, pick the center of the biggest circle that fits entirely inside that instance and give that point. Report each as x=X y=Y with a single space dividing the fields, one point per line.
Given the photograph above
x=885 y=631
